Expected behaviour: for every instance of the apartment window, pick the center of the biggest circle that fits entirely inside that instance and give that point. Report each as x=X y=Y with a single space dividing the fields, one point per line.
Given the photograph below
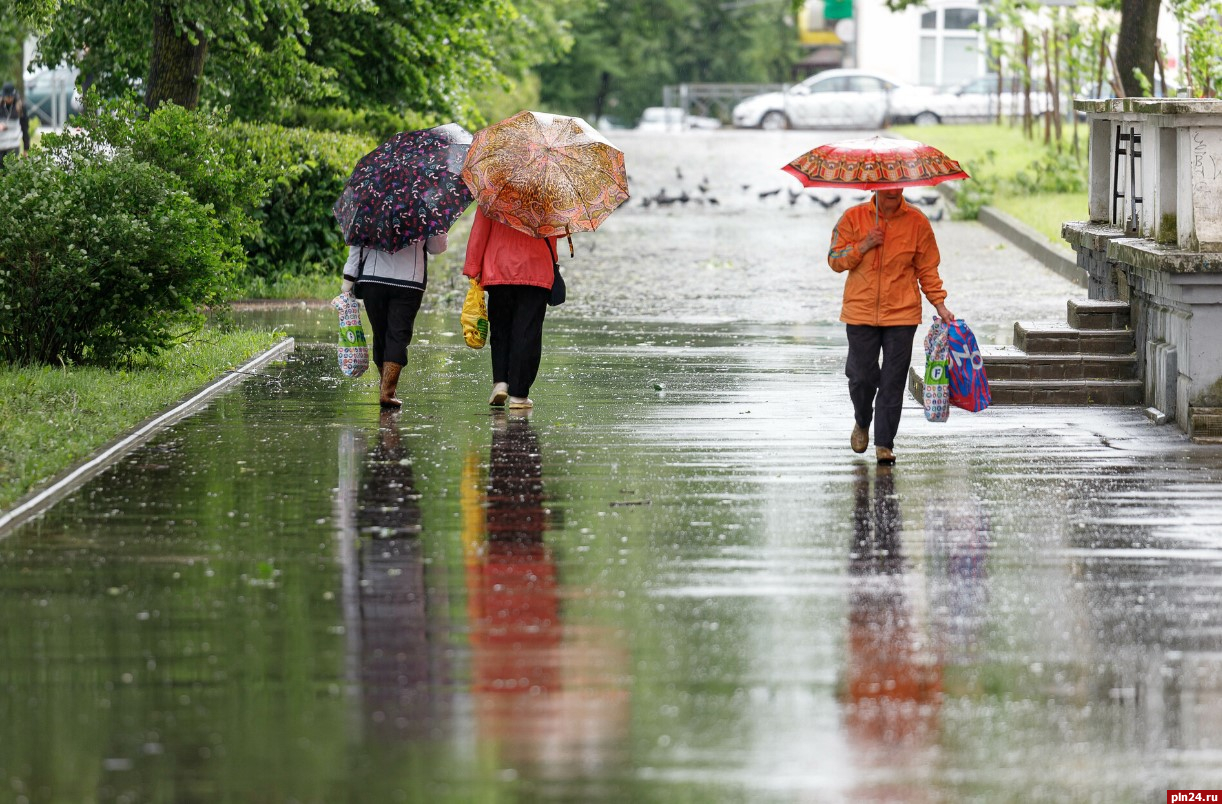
x=951 y=48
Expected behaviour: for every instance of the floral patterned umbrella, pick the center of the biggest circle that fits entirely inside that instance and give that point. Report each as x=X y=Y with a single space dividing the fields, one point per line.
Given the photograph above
x=406 y=189
x=545 y=175
x=874 y=163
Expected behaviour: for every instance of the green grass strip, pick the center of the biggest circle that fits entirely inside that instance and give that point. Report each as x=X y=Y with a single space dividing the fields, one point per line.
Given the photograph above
x=999 y=152
x=52 y=418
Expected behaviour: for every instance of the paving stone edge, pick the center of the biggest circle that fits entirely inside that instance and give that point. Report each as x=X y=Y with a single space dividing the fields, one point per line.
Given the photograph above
x=63 y=484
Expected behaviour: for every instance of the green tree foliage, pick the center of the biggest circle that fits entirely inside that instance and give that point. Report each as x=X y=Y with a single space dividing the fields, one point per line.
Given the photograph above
x=198 y=153
x=1202 y=25
x=436 y=58
x=116 y=233
x=625 y=51
x=297 y=233
x=261 y=57
x=114 y=44
x=12 y=33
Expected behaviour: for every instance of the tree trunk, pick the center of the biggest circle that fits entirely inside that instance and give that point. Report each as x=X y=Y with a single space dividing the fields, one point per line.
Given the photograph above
x=177 y=65
x=600 y=100
x=1135 y=44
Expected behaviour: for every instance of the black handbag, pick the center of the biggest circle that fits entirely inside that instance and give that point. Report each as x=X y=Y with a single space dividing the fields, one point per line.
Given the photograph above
x=559 y=291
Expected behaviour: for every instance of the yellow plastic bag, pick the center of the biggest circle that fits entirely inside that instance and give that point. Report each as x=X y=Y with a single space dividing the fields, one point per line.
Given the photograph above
x=475 y=317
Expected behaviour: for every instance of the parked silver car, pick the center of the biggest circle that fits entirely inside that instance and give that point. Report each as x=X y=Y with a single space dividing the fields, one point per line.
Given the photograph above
x=840 y=98
x=976 y=101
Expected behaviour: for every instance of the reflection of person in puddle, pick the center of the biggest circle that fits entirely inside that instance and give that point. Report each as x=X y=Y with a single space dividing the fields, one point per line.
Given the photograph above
x=545 y=701
x=893 y=682
x=957 y=550
x=393 y=646
x=513 y=605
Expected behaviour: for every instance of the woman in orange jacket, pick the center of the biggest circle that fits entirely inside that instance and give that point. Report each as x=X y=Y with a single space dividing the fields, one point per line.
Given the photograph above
x=888 y=250
x=517 y=270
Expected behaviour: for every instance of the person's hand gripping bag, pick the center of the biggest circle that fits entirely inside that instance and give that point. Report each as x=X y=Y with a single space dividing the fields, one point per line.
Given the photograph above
x=969 y=386
x=937 y=379
x=352 y=350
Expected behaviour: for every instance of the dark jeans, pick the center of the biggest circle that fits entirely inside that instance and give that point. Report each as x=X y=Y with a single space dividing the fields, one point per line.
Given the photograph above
x=515 y=328
x=392 y=314
x=878 y=393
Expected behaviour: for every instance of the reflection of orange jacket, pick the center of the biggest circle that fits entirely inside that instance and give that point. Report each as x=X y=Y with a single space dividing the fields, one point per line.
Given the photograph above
x=881 y=288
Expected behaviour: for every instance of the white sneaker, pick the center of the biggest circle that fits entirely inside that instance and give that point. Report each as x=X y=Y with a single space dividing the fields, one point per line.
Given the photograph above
x=519 y=403
x=500 y=392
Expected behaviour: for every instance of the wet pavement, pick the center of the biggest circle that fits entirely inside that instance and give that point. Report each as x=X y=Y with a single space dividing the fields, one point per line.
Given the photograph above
x=671 y=581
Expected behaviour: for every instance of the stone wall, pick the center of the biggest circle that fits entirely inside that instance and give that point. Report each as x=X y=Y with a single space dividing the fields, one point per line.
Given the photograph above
x=1175 y=299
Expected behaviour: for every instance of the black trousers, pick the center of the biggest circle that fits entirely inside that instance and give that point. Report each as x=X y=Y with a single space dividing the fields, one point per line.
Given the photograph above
x=515 y=327
x=878 y=392
x=392 y=314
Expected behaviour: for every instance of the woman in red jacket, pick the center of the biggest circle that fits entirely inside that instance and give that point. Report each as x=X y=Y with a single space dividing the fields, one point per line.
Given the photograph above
x=517 y=271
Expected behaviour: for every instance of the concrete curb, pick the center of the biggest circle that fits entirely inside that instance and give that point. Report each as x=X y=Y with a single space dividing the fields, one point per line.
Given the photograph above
x=61 y=486
x=1034 y=243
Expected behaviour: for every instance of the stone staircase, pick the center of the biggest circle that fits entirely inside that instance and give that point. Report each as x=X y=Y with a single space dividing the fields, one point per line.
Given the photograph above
x=1089 y=360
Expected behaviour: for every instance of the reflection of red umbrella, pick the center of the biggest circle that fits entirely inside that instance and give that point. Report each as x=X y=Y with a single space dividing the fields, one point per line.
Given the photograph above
x=545 y=175
x=874 y=163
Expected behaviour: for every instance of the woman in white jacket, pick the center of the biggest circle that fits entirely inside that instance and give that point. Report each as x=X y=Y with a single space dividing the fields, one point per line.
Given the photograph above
x=392 y=287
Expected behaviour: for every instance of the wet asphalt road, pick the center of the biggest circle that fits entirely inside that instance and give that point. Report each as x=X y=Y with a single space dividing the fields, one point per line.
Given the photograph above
x=672 y=581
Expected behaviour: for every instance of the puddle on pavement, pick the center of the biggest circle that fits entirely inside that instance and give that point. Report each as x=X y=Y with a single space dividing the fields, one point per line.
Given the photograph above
x=672 y=581
x=629 y=594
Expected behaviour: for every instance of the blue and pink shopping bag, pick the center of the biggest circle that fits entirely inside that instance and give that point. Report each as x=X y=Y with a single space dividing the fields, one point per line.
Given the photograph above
x=969 y=387
x=954 y=371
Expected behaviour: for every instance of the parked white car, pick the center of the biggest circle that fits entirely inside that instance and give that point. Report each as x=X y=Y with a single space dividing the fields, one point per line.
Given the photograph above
x=976 y=101
x=839 y=98
x=672 y=118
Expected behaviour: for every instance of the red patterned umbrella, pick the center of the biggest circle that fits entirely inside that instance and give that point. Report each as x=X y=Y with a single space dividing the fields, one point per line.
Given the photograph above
x=545 y=175
x=874 y=163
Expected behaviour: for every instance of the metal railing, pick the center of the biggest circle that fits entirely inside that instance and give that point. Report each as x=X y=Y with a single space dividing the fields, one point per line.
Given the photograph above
x=713 y=100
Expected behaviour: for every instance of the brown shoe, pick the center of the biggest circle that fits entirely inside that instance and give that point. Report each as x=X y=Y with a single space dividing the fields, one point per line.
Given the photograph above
x=860 y=439
x=885 y=456
x=390 y=382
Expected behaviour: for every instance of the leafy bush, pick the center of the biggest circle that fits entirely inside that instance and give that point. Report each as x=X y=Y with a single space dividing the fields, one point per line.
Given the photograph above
x=979 y=190
x=297 y=233
x=1053 y=172
x=102 y=256
x=381 y=124
x=193 y=148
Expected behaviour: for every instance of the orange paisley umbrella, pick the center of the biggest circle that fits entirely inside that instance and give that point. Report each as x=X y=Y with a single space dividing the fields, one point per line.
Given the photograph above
x=874 y=163
x=545 y=174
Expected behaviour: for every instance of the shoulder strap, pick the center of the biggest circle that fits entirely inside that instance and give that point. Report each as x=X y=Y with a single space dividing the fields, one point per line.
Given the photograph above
x=551 y=247
x=360 y=263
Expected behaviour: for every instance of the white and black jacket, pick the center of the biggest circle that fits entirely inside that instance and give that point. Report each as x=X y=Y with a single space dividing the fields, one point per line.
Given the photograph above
x=406 y=268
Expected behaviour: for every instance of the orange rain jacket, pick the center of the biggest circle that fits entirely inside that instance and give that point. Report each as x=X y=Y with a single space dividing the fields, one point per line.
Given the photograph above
x=881 y=288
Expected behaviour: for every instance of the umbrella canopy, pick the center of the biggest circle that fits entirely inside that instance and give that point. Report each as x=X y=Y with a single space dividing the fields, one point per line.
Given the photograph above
x=546 y=175
x=874 y=163
x=406 y=189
